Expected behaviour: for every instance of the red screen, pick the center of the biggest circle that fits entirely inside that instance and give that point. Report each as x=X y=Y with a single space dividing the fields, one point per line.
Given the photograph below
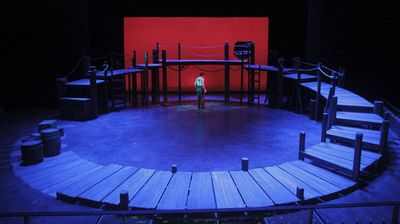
x=200 y=38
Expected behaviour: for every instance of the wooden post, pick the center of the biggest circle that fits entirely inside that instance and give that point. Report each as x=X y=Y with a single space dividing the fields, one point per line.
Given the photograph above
x=384 y=138
x=93 y=90
x=145 y=79
x=134 y=59
x=387 y=116
x=164 y=71
x=324 y=127
x=154 y=74
x=245 y=164
x=357 y=156
x=226 y=57
x=300 y=193
x=174 y=168
x=299 y=104
x=302 y=145
x=179 y=74
x=395 y=214
x=378 y=107
x=87 y=61
x=241 y=80
x=318 y=96
x=332 y=111
x=123 y=199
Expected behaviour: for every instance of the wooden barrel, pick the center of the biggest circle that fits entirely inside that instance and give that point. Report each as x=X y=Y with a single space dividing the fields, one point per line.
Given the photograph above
x=51 y=141
x=31 y=152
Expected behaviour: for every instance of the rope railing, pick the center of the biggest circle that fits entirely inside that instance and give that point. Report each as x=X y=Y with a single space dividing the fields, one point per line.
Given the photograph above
x=74 y=69
x=201 y=55
x=202 y=47
x=212 y=71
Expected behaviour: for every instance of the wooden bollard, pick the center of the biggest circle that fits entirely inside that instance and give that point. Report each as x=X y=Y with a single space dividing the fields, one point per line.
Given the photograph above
x=300 y=193
x=378 y=107
x=324 y=127
x=357 y=156
x=302 y=145
x=123 y=199
x=174 y=168
x=245 y=164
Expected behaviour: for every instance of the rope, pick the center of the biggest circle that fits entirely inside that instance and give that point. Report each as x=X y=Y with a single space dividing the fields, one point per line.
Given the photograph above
x=203 y=70
x=76 y=66
x=234 y=70
x=201 y=55
x=193 y=46
x=99 y=58
x=322 y=72
x=306 y=63
x=329 y=69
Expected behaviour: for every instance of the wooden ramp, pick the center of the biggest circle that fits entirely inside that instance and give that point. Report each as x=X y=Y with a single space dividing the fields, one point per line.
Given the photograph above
x=72 y=178
x=346 y=99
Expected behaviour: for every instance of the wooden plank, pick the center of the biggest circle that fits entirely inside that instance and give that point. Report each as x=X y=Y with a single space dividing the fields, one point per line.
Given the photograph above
x=344 y=163
x=152 y=191
x=349 y=155
x=370 y=137
x=133 y=184
x=81 y=174
x=47 y=162
x=250 y=191
x=201 y=194
x=368 y=118
x=291 y=183
x=333 y=178
x=66 y=173
x=226 y=193
x=31 y=177
x=315 y=182
x=337 y=147
x=73 y=190
x=274 y=189
x=106 y=186
x=175 y=196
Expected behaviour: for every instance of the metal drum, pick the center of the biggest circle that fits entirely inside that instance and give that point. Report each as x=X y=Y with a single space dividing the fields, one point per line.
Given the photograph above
x=51 y=141
x=31 y=152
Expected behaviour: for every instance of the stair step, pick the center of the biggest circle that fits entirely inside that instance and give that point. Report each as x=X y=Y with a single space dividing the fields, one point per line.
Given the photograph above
x=359 y=118
x=371 y=138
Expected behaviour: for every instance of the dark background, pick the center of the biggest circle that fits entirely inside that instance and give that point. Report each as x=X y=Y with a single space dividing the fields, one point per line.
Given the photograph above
x=46 y=39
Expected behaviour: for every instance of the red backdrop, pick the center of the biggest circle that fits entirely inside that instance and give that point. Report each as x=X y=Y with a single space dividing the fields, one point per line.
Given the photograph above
x=200 y=38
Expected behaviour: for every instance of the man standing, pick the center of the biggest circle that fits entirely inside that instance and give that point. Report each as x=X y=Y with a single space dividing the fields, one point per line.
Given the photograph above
x=200 y=90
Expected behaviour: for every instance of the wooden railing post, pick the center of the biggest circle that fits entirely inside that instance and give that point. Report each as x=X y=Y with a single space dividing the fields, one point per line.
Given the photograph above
x=332 y=111
x=378 y=107
x=384 y=138
x=318 y=95
x=179 y=74
x=357 y=156
x=302 y=147
x=164 y=71
x=93 y=90
x=226 y=82
x=324 y=127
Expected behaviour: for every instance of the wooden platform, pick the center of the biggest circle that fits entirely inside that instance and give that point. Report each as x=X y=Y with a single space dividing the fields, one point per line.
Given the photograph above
x=71 y=178
x=346 y=99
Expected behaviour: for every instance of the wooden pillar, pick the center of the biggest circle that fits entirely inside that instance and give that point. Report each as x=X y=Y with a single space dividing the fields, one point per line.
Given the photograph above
x=300 y=192
x=332 y=111
x=93 y=90
x=174 y=168
x=87 y=62
x=299 y=103
x=145 y=80
x=164 y=71
x=245 y=164
x=378 y=107
x=226 y=89
x=317 y=97
x=384 y=138
x=124 y=199
x=357 y=156
x=241 y=79
x=324 y=127
x=302 y=145
x=154 y=74
x=179 y=75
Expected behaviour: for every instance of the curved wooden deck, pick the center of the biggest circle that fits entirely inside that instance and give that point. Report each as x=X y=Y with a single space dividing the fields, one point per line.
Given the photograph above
x=71 y=178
